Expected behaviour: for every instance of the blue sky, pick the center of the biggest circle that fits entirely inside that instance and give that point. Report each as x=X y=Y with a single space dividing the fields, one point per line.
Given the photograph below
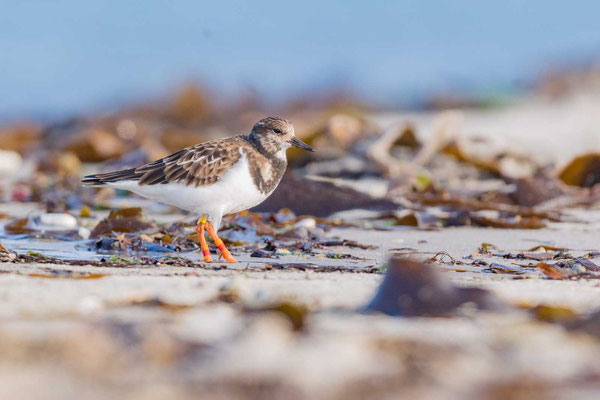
x=68 y=56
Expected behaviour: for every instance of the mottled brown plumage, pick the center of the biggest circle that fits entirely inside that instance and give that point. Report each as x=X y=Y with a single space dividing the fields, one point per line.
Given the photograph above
x=204 y=164
x=215 y=178
x=199 y=165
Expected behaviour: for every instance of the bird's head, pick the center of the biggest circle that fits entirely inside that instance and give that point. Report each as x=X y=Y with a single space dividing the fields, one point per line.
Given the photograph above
x=275 y=135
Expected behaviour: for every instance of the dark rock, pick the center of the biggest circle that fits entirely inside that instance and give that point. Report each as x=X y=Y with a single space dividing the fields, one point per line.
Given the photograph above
x=124 y=220
x=270 y=246
x=107 y=243
x=533 y=191
x=412 y=289
x=295 y=233
x=306 y=246
x=261 y=254
x=320 y=199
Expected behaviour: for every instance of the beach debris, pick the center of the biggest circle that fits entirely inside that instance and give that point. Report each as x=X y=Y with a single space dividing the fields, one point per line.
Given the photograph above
x=532 y=191
x=56 y=221
x=261 y=254
x=347 y=243
x=589 y=324
x=455 y=150
x=553 y=313
x=319 y=199
x=588 y=264
x=123 y=220
x=541 y=256
x=574 y=268
x=517 y=222
x=18 y=226
x=469 y=211
x=583 y=171
x=304 y=228
x=58 y=225
x=347 y=130
x=85 y=212
x=253 y=221
x=307 y=223
x=21 y=137
x=61 y=164
x=445 y=128
x=10 y=162
x=65 y=274
x=154 y=302
x=546 y=248
x=568 y=318
x=6 y=255
x=135 y=243
x=505 y=269
x=295 y=314
x=402 y=218
x=380 y=152
x=411 y=288
x=95 y=145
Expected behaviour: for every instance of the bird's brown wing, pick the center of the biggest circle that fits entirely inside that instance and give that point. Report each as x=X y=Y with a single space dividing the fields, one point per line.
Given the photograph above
x=199 y=165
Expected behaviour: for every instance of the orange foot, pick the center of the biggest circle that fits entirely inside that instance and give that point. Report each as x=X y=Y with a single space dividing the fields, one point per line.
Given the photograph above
x=224 y=252
x=203 y=245
x=207 y=258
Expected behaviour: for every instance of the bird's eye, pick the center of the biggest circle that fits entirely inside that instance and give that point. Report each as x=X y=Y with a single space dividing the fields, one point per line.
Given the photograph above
x=277 y=131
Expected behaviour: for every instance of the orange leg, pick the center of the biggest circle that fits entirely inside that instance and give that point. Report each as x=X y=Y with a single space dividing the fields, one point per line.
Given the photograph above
x=224 y=252
x=203 y=245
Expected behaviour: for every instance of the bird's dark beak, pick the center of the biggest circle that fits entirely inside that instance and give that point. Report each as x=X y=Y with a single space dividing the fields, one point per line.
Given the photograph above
x=300 y=144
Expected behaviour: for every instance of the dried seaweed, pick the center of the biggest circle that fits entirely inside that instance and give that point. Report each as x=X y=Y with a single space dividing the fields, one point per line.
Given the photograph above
x=582 y=171
x=18 y=226
x=124 y=220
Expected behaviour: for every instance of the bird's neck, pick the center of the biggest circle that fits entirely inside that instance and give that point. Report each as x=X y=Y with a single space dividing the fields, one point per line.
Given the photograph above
x=266 y=171
x=268 y=148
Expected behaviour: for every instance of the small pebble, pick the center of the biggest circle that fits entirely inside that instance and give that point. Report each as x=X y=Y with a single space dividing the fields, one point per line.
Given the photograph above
x=282 y=252
x=85 y=212
x=261 y=254
x=58 y=220
x=296 y=233
x=84 y=232
x=307 y=223
x=10 y=162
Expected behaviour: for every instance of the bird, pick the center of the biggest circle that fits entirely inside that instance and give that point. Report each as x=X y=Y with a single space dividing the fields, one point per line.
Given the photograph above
x=214 y=178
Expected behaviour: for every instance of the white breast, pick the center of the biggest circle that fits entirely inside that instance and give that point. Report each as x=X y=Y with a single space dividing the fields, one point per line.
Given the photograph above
x=234 y=192
x=241 y=192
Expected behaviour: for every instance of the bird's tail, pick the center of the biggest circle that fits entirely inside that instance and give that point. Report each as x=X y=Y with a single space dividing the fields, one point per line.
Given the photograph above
x=110 y=177
x=92 y=180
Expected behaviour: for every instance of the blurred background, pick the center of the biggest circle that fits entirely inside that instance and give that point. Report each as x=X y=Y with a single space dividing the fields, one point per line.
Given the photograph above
x=464 y=134
x=93 y=82
x=66 y=57
x=171 y=76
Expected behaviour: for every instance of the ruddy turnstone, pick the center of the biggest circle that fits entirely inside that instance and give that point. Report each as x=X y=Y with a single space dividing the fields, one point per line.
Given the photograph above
x=215 y=178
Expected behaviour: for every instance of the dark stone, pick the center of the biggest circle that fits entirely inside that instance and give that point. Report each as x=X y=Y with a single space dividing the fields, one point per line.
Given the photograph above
x=320 y=199
x=413 y=289
x=261 y=254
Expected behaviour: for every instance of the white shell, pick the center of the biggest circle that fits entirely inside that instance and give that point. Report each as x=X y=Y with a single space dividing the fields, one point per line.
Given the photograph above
x=58 y=221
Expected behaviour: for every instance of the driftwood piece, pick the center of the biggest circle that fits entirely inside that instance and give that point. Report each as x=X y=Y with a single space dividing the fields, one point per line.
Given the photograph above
x=445 y=129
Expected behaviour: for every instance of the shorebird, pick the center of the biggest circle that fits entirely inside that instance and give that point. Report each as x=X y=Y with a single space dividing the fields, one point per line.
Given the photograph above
x=215 y=178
